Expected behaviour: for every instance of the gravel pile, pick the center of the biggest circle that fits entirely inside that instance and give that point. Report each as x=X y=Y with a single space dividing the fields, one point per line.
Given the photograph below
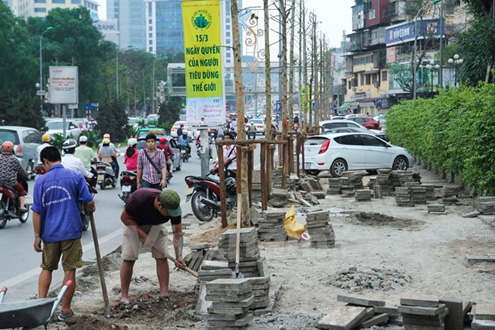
x=374 y=279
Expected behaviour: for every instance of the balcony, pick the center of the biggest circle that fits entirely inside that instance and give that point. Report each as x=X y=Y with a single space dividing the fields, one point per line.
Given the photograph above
x=397 y=11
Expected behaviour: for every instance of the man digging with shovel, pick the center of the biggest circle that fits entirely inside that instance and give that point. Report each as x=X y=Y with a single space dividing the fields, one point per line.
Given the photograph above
x=144 y=216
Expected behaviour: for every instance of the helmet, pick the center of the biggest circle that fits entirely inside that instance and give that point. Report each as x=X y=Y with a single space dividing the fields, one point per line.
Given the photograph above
x=131 y=142
x=106 y=141
x=69 y=144
x=46 y=137
x=7 y=146
x=230 y=183
x=83 y=139
x=163 y=140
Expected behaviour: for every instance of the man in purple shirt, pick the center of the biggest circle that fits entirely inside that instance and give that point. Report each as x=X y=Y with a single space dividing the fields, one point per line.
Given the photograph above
x=152 y=167
x=58 y=224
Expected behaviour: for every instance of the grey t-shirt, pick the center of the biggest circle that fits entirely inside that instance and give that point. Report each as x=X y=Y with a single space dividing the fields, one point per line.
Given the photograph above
x=108 y=151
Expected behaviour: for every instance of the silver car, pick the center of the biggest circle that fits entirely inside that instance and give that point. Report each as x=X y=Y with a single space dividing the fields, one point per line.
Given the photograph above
x=25 y=140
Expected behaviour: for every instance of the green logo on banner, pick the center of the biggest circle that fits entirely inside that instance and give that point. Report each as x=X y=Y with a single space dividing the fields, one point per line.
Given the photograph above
x=201 y=19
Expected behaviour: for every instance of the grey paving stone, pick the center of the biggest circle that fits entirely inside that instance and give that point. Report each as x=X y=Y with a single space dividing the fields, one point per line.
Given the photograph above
x=360 y=301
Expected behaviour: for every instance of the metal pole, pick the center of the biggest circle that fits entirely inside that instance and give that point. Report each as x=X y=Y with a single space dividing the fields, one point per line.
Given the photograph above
x=153 y=89
x=440 y=73
x=64 y=119
x=414 y=56
x=117 y=74
x=205 y=148
x=41 y=72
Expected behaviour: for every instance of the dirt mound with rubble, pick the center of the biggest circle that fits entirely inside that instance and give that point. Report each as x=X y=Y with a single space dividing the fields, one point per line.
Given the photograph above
x=211 y=236
x=356 y=280
x=382 y=220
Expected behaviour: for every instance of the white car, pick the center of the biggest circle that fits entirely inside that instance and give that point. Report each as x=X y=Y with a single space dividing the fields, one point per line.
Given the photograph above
x=340 y=152
x=56 y=126
x=187 y=128
x=259 y=124
x=338 y=123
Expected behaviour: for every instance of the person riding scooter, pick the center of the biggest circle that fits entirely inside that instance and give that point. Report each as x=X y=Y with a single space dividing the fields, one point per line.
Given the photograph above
x=169 y=155
x=10 y=168
x=71 y=162
x=108 y=153
x=184 y=142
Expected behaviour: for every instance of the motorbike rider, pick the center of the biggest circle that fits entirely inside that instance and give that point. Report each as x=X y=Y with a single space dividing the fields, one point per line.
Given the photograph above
x=184 y=142
x=179 y=131
x=108 y=153
x=229 y=151
x=71 y=162
x=46 y=142
x=131 y=155
x=252 y=131
x=151 y=165
x=86 y=154
x=10 y=169
x=163 y=146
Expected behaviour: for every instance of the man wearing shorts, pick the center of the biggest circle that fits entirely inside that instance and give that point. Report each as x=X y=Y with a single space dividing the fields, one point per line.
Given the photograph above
x=57 y=223
x=144 y=216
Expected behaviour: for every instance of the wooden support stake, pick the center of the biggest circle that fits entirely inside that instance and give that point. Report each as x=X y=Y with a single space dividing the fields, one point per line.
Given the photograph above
x=250 y=155
x=221 y=174
x=285 y=166
x=298 y=147
x=239 y=170
x=263 y=171
x=291 y=155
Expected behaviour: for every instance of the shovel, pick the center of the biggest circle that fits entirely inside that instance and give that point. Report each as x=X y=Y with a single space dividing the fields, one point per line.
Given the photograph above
x=100 y=266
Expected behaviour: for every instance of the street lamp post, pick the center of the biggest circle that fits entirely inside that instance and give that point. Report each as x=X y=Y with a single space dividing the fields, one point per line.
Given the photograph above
x=153 y=92
x=433 y=67
x=41 y=67
x=456 y=62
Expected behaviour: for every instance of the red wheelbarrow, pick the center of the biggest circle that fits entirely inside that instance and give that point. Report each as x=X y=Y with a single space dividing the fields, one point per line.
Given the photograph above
x=29 y=314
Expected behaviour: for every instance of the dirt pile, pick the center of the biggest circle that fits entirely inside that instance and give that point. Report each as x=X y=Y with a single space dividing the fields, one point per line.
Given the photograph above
x=382 y=220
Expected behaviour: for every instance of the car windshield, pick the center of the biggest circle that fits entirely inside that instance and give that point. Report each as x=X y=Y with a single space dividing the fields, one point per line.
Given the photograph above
x=7 y=135
x=54 y=125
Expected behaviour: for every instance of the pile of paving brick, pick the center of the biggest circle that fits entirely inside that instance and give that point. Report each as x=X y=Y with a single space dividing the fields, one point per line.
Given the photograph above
x=249 y=250
x=449 y=194
x=198 y=254
x=384 y=181
x=334 y=186
x=271 y=226
x=430 y=191
x=436 y=208
x=417 y=192
x=403 y=197
x=414 y=313
x=399 y=178
x=363 y=195
x=211 y=270
x=485 y=205
x=320 y=230
x=230 y=302
x=279 y=197
x=355 y=178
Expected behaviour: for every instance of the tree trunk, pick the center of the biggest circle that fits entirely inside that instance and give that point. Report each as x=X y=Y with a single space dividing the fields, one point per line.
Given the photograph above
x=291 y=67
x=268 y=80
x=241 y=134
x=301 y=109
x=305 y=65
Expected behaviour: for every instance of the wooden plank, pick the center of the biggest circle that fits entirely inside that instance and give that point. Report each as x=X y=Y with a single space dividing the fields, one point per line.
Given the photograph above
x=264 y=200
x=250 y=176
x=221 y=174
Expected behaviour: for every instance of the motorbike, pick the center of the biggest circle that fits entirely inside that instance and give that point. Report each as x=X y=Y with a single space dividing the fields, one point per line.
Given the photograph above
x=9 y=204
x=85 y=214
x=128 y=184
x=204 y=193
x=211 y=141
x=106 y=176
x=184 y=155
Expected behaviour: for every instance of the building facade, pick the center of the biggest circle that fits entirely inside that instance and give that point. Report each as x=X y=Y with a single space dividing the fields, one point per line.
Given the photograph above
x=132 y=26
x=40 y=8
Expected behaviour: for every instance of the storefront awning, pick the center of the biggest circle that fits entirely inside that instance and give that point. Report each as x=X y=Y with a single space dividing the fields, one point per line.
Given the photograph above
x=372 y=71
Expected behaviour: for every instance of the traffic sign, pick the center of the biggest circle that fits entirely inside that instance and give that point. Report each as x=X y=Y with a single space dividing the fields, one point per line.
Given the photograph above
x=40 y=93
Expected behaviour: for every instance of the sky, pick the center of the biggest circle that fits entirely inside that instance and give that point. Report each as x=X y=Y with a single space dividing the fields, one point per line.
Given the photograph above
x=335 y=16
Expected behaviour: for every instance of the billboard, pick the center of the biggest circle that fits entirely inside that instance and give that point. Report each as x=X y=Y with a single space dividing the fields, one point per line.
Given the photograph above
x=404 y=32
x=205 y=101
x=64 y=85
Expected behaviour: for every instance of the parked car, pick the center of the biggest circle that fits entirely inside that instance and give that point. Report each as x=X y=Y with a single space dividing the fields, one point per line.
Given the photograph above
x=352 y=151
x=258 y=123
x=153 y=117
x=25 y=140
x=367 y=122
x=331 y=124
x=186 y=127
x=56 y=126
x=338 y=117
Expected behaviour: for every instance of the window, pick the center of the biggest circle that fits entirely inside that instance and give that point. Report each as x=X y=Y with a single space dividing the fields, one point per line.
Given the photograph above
x=39 y=1
x=384 y=76
x=360 y=120
x=150 y=21
x=362 y=79
x=150 y=42
x=371 y=14
x=58 y=1
x=368 y=140
x=150 y=35
x=75 y=2
x=350 y=139
x=374 y=78
x=150 y=49
x=150 y=28
x=31 y=136
x=150 y=10
x=368 y=79
x=40 y=10
x=350 y=84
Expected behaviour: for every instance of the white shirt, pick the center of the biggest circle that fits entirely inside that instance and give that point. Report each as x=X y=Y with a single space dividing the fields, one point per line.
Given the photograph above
x=70 y=162
x=230 y=153
x=38 y=151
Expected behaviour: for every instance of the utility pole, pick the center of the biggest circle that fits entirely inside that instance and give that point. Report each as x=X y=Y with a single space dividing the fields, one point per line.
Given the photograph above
x=241 y=134
x=291 y=66
x=305 y=65
x=440 y=70
x=301 y=109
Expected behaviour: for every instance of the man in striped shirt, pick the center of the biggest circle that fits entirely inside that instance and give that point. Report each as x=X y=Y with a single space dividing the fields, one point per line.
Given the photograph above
x=152 y=167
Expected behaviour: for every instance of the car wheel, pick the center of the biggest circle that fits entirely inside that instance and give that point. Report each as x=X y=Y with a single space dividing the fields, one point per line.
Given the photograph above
x=400 y=163
x=339 y=166
x=312 y=172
